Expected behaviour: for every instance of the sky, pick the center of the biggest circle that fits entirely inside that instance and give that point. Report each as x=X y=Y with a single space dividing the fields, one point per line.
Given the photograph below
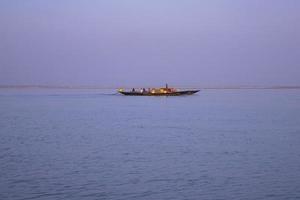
x=113 y=43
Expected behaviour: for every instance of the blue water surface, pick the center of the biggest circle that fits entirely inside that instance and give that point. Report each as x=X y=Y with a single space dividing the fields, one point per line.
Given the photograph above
x=217 y=144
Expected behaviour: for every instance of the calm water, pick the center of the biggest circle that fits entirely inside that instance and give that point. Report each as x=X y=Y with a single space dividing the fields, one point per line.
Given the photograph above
x=218 y=144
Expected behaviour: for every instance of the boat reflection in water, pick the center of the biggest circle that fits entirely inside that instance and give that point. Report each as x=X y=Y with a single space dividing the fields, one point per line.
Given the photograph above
x=166 y=91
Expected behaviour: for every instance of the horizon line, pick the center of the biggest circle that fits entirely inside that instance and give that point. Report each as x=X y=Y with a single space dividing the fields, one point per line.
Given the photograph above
x=42 y=86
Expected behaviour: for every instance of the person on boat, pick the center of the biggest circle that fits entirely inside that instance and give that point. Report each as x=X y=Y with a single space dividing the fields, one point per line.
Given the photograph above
x=133 y=90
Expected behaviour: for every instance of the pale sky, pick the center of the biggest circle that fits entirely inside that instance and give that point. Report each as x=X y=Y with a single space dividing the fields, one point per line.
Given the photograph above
x=139 y=42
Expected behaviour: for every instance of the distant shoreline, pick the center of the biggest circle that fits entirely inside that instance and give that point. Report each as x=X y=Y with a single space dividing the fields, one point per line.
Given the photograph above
x=99 y=87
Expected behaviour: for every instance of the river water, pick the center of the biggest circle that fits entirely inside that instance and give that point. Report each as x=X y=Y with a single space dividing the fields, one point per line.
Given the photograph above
x=217 y=144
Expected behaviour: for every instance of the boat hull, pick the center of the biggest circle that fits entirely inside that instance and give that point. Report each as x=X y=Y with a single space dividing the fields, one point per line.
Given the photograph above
x=178 y=93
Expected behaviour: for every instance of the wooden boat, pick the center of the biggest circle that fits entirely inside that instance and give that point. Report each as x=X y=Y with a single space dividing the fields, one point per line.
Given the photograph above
x=166 y=91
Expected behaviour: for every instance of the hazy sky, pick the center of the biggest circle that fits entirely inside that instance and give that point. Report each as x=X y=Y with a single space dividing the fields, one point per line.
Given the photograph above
x=150 y=42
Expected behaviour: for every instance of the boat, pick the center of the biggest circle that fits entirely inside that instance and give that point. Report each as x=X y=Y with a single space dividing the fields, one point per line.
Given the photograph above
x=166 y=91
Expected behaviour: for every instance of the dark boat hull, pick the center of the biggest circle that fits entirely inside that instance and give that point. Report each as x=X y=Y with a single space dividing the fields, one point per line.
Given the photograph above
x=179 y=93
